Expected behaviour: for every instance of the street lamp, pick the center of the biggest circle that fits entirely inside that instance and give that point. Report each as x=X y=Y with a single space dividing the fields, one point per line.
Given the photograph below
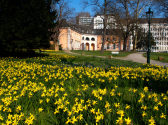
x=149 y=14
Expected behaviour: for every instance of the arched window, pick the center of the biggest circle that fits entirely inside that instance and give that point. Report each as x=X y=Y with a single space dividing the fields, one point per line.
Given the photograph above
x=83 y=38
x=93 y=39
x=87 y=38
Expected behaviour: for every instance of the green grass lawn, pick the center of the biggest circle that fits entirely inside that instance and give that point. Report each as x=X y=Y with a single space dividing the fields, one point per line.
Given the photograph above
x=98 y=53
x=93 y=60
x=103 y=62
x=155 y=56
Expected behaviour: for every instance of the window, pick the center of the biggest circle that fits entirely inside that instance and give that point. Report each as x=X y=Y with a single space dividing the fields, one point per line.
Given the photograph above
x=87 y=38
x=93 y=39
x=82 y=38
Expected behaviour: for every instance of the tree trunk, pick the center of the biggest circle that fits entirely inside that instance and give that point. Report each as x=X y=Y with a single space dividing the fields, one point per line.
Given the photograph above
x=135 y=41
x=104 y=39
x=125 y=44
x=56 y=47
x=105 y=26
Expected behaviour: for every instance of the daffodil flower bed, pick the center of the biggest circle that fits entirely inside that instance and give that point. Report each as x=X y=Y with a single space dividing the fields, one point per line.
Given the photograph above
x=37 y=92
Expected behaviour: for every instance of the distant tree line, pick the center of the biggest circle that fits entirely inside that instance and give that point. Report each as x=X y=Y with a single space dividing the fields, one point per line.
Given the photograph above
x=25 y=24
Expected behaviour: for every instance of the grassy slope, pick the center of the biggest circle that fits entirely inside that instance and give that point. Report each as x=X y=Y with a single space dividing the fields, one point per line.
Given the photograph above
x=95 y=61
x=155 y=56
x=47 y=117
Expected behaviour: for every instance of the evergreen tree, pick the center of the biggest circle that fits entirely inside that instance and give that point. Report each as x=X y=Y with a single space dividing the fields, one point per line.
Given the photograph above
x=25 y=24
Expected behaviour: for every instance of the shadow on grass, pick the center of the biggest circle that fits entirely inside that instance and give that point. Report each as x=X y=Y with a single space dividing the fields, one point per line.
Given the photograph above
x=22 y=54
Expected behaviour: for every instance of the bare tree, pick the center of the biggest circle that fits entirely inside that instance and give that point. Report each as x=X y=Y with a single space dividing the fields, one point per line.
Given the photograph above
x=138 y=6
x=163 y=5
x=64 y=12
x=123 y=18
x=127 y=13
x=101 y=7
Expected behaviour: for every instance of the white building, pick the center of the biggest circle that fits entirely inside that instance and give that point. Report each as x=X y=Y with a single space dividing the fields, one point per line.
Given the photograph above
x=85 y=21
x=98 y=22
x=159 y=30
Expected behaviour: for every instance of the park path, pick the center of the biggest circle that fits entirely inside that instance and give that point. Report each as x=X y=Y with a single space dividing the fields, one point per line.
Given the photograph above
x=134 y=57
x=138 y=57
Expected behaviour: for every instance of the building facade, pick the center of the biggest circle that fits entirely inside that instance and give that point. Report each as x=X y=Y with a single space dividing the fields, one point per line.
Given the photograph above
x=159 y=31
x=73 y=38
x=98 y=22
x=86 y=21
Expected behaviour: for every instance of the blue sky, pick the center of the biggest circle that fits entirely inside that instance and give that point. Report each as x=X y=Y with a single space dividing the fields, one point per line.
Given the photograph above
x=78 y=5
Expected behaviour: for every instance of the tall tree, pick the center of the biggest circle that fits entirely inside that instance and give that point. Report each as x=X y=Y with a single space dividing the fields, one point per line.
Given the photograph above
x=123 y=17
x=138 y=7
x=64 y=12
x=24 y=24
x=101 y=7
x=126 y=14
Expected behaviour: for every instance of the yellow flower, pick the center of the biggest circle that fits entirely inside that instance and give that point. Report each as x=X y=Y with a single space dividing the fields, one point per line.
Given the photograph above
x=94 y=102
x=142 y=95
x=116 y=86
x=56 y=111
x=117 y=105
x=119 y=121
x=120 y=112
x=163 y=116
x=80 y=117
x=30 y=119
x=160 y=103
x=127 y=107
x=134 y=90
x=143 y=114
x=128 y=121
x=107 y=104
x=74 y=120
x=119 y=94
x=143 y=107
x=47 y=100
x=68 y=121
x=1 y=117
x=18 y=108
x=156 y=108
x=156 y=99
x=108 y=110
x=151 y=121
x=145 y=89
x=40 y=101
x=92 y=110
x=40 y=109
x=69 y=113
